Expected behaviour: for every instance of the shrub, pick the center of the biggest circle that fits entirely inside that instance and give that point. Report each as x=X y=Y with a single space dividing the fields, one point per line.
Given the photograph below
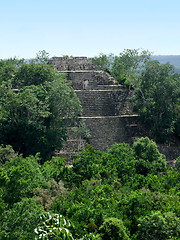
x=122 y=158
x=87 y=164
x=6 y=153
x=19 y=222
x=113 y=229
x=159 y=226
x=178 y=164
x=53 y=168
x=19 y=177
x=149 y=159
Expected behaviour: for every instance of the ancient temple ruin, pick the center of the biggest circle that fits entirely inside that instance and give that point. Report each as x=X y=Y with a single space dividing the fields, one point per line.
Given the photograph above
x=107 y=110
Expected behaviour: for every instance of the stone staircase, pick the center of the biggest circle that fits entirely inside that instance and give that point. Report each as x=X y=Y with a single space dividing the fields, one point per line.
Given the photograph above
x=108 y=115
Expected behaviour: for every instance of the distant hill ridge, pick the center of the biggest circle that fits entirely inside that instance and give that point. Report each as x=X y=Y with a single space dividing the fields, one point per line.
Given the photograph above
x=172 y=59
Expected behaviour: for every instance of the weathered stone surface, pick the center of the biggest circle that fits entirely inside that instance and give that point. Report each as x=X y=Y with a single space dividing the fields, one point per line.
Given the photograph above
x=72 y=63
x=106 y=108
x=103 y=102
x=106 y=130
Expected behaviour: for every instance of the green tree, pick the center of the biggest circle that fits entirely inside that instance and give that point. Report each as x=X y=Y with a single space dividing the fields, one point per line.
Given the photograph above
x=103 y=62
x=19 y=177
x=118 y=71
x=87 y=164
x=31 y=117
x=60 y=91
x=8 y=68
x=127 y=67
x=156 y=98
x=159 y=226
x=54 y=168
x=23 y=118
x=33 y=74
x=121 y=157
x=46 y=196
x=6 y=153
x=177 y=110
x=113 y=229
x=18 y=223
x=148 y=157
x=3 y=206
x=41 y=57
x=117 y=162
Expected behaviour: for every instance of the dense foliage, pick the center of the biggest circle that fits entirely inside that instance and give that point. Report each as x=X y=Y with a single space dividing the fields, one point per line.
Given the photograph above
x=156 y=89
x=157 y=99
x=126 y=192
x=122 y=193
x=34 y=100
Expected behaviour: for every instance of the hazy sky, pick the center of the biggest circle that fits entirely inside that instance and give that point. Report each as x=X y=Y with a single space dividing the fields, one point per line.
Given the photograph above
x=88 y=27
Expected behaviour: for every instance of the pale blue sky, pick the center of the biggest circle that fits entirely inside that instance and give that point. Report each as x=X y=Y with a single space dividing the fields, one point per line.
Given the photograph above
x=88 y=27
